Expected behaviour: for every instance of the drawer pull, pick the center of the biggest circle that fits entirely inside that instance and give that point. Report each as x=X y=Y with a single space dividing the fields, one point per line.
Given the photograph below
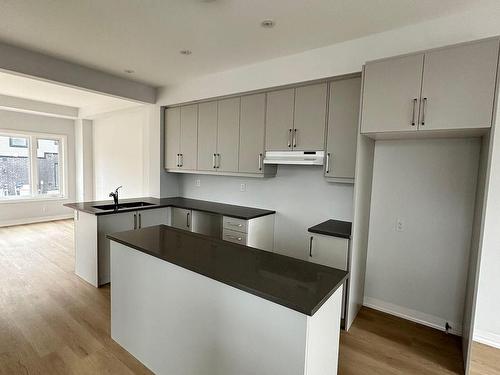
x=234 y=238
x=235 y=224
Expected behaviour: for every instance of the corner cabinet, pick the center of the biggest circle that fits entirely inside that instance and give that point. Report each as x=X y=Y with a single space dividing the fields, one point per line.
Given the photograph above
x=451 y=88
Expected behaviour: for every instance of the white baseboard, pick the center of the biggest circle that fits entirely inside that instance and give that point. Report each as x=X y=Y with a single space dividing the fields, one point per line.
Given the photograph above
x=413 y=315
x=487 y=338
x=32 y=220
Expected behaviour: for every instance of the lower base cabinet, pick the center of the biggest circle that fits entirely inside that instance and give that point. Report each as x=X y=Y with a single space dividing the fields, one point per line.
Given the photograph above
x=330 y=251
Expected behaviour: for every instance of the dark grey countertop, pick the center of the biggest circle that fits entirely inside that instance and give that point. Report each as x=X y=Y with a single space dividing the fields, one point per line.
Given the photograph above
x=240 y=212
x=335 y=228
x=297 y=284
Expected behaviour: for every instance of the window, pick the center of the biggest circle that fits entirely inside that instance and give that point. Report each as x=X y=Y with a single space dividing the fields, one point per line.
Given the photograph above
x=31 y=166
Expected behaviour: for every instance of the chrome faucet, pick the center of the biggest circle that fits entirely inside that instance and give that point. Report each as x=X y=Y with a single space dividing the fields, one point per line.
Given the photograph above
x=114 y=194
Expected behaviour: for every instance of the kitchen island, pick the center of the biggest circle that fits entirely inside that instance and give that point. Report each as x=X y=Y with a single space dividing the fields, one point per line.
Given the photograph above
x=188 y=304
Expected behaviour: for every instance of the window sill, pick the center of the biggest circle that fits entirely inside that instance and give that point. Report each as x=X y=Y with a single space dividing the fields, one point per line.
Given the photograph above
x=33 y=199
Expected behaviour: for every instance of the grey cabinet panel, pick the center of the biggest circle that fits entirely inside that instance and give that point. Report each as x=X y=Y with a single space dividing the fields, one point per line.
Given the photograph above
x=181 y=218
x=228 y=134
x=279 y=119
x=459 y=86
x=252 y=129
x=207 y=135
x=390 y=94
x=189 y=136
x=172 y=136
x=148 y=218
x=310 y=117
x=343 y=117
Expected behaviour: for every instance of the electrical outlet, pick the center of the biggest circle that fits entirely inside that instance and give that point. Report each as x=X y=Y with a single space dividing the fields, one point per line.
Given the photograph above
x=400 y=225
x=243 y=187
x=197 y=183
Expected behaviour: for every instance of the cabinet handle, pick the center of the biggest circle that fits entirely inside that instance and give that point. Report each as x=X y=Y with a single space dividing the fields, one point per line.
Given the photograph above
x=260 y=162
x=187 y=220
x=424 y=105
x=327 y=162
x=135 y=221
x=234 y=224
x=213 y=160
x=218 y=161
x=181 y=160
x=140 y=221
x=234 y=238
x=178 y=160
x=294 y=137
x=311 y=246
x=289 y=137
x=414 y=111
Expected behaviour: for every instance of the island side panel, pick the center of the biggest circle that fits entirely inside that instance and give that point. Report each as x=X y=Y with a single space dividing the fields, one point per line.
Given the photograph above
x=323 y=335
x=179 y=322
x=86 y=247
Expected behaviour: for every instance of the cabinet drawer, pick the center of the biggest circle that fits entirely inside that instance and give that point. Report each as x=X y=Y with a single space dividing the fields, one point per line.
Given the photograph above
x=238 y=225
x=233 y=236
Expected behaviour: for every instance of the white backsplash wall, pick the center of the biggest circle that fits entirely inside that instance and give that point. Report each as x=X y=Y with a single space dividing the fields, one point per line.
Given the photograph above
x=419 y=271
x=300 y=196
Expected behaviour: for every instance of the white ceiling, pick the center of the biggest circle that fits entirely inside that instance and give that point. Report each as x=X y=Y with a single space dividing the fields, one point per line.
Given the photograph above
x=29 y=88
x=147 y=35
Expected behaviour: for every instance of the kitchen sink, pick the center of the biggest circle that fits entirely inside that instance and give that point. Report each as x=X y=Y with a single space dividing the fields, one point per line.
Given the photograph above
x=123 y=205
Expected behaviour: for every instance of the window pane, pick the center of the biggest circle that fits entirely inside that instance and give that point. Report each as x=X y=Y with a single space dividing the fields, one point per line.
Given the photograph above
x=14 y=167
x=47 y=160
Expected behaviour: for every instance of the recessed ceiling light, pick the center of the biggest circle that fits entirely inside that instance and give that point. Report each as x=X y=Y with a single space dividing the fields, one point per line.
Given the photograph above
x=129 y=71
x=267 y=24
x=185 y=52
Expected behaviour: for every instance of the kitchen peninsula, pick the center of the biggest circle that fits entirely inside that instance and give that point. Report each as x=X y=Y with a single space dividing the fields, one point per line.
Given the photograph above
x=94 y=220
x=186 y=303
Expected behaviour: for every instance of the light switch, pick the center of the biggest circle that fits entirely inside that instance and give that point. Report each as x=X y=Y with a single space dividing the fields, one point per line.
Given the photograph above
x=197 y=183
x=243 y=187
x=400 y=225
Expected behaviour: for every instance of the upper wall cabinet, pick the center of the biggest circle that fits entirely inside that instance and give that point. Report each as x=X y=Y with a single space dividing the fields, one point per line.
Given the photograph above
x=252 y=132
x=343 y=117
x=207 y=136
x=296 y=118
x=228 y=135
x=443 y=89
x=181 y=133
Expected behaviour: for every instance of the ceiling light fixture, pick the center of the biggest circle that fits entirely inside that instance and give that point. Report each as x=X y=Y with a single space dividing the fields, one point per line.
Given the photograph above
x=129 y=71
x=267 y=24
x=185 y=52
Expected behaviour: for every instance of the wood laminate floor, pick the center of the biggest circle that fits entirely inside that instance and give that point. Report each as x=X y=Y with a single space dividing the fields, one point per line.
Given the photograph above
x=51 y=322
x=485 y=360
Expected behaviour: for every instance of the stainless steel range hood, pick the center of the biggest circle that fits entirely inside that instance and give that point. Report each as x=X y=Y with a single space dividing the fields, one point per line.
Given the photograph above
x=295 y=157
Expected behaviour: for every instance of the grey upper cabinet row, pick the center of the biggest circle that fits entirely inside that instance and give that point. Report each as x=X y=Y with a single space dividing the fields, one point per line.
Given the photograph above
x=296 y=118
x=221 y=136
x=443 y=89
x=230 y=136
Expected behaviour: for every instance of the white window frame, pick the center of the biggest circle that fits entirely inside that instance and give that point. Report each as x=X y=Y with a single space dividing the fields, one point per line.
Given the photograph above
x=32 y=152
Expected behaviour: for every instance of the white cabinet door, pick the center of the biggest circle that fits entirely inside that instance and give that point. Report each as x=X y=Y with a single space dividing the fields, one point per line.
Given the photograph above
x=181 y=218
x=172 y=137
x=329 y=251
x=207 y=136
x=228 y=134
x=279 y=120
x=148 y=218
x=252 y=128
x=343 y=116
x=391 y=92
x=309 y=121
x=189 y=137
x=458 y=86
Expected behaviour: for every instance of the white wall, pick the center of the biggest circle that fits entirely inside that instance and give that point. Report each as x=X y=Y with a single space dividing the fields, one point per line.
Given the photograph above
x=24 y=212
x=487 y=315
x=119 y=153
x=299 y=194
x=84 y=155
x=430 y=185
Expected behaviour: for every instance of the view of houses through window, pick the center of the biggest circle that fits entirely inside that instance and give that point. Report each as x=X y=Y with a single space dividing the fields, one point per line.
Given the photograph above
x=28 y=158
